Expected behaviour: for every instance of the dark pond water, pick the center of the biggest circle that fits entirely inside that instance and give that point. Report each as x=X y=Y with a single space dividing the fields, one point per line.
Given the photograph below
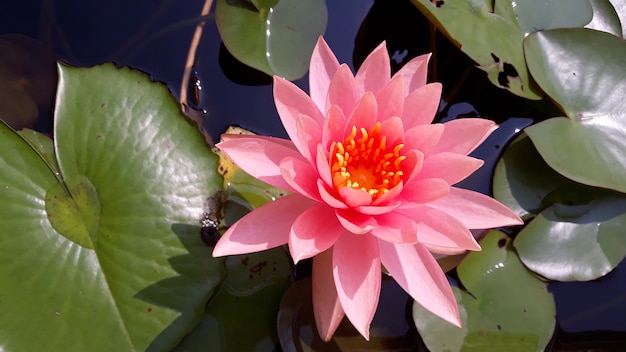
x=155 y=36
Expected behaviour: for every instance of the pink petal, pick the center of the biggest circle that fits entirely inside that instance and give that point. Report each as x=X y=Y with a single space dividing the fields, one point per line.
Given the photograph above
x=355 y=222
x=390 y=195
x=323 y=67
x=419 y=274
x=354 y=197
x=415 y=72
x=391 y=99
x=464 y=135
x=421 y=105
x=450 y=167
x=425 y=191
x=251 y=233
x=328 y=196
x=363 y=116
x=412 y=165
x=343 y=90
x=423 y=137
x=396 y=228
x=301 y=177
x=356 y=268
x=309 y=135
x=334 y=126
x=438 y=229
x=323 y=165
x=394 y=130
x=314 y=231
x=260 y=157
x=292 y=102
x=476 y=210
x=326 y=306
x=377 y=209
x=375 y=71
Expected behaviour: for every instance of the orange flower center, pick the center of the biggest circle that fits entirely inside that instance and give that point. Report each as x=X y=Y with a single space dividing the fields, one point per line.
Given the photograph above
x=366 y=162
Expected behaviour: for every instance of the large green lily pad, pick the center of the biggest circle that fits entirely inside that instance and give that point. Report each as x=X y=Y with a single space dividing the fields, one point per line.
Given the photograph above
x=582 y=70
x=605 y=18
x=109 y=259
x=273 y=36
x=488 y=32
x=577 y=230
x=505 y=307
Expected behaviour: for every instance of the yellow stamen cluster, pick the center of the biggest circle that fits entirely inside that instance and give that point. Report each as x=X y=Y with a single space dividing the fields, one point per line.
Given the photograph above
x=366 y=162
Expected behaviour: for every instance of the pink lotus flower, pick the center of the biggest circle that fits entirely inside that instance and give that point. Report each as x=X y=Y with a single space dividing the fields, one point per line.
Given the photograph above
x=372 y=180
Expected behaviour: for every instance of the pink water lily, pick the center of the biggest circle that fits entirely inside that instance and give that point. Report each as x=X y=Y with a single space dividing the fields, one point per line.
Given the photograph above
x=372 y=183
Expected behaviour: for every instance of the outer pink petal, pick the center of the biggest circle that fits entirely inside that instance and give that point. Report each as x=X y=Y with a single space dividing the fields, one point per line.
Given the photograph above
x=326 y=306
x=334 y=126
x=292 y=102
x=260 y=157
x=363 y=115
x=476 y=210
x=301 y=177
x=464 y=135
x=356 y=268
x=438 y=229
x=323 y=67
x=354 y=221
x=310 y=135
x=314 y=231
x=423 y=137
x=415 y=72
x=425 y=191
x=393 y=129
x=396 y=228
x=391 y=99
x=421 y=105
x=343 y=90
x=450 y=167
x=247 y=236
x=419 y=274
x=375 y=71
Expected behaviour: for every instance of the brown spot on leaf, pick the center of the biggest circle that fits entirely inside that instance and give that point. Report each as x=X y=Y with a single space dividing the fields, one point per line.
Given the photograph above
x=437 y=3
x=502 y=242
x=258 y=268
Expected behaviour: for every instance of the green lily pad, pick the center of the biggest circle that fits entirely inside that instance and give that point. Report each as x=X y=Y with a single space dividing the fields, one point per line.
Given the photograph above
x=605 y=18
x=505 y=307
x=490 y=35
x=582 y=70
x=246 y=305
x=43 y=145
x=620 y=8
x=111 y=257
x=527 y=185
x=536 y=15
x=577 y=232
x=274 y=36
